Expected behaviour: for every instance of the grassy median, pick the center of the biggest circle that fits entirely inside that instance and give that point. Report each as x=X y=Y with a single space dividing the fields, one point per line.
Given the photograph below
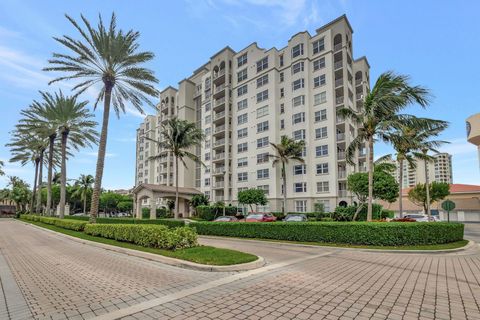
x=201 y=254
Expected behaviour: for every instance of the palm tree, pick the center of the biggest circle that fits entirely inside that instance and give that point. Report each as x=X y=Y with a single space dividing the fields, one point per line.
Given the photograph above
x=179 y=136
x=391 y=94
x=407 y=139
x=288 y=149
x=106 y=56
x=84 y=186
x=2 y=173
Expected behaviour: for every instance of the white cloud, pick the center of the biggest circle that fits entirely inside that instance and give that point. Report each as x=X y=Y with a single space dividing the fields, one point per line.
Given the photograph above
x=459 y=146
x=132 y=139
x=95 y=154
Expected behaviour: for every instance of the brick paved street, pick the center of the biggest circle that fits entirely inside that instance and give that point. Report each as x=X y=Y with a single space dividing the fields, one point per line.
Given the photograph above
x=60 y=278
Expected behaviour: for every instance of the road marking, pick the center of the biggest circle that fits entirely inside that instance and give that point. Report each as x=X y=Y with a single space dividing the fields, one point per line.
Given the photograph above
x=206 y=286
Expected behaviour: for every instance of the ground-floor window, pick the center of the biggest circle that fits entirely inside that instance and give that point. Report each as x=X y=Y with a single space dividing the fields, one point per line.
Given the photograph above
x=326 y=205
x=301 y=206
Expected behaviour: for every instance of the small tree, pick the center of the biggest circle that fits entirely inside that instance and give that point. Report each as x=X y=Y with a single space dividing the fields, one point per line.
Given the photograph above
x=199 y=200
x=252 y=197
x=437 y=191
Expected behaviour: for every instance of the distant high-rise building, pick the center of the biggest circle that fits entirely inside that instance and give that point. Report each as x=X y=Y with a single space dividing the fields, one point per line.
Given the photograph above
x=473 y=131
x=245 y=100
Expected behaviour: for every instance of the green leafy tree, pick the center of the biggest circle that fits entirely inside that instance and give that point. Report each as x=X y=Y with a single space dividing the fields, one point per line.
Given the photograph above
x=125 y=206
x=109 y=201
x=436 y=191
x=107 y=56
x=19 y=193
x=179 y=138
x=84 y=188
x=199 y=200
x=287 y=150
x=381 y=113
x=252 y=197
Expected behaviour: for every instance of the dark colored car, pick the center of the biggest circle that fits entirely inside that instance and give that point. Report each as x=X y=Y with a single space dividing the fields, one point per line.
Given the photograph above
x=226 y=219
x=295 y=218
x=261 y=217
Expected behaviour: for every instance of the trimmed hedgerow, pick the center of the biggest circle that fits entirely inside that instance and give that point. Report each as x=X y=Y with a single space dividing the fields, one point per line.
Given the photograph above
x=154 y=236
x=62 y=223
x=361 y=233
x=209 y=213
x=166 y=222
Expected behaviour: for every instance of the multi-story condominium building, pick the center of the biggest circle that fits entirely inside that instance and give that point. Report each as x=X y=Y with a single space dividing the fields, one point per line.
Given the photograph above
x=473 y=131
x=245 y=100
x=439 y=170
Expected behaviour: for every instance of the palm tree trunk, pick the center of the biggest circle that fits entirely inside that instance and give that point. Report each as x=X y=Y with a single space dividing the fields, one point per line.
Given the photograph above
x=400 y=182
x=34 y=186
x=370 y=178
x=85 y=202
x=176 y=188
x=63 y=178
x=427 y=191
x=50 y=172
x=284 y=189
x=101 y=156
x=40 y=180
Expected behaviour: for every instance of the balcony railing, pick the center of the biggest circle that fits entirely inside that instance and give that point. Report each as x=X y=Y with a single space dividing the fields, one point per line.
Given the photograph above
x=219 y=128
x=339 y=100
x=362 y=169
x=219 y=156
x=340 y=136
x=338 y=82
x=219 y=142
x=219 y=73
x=337 y=47
x=342 y=174
x=219 y=115
x=219 y=170
x=342 y=193
x=340 y=119
x=338 y=65
x=358 y=82
x=362 y=153
x=219 y=101
x=359 y=96
x=219 y=184
x=341 y=155
x=219 y=88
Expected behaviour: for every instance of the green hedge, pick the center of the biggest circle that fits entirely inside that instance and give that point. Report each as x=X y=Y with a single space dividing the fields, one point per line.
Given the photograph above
x=347 y=213
x=362 y=233
x=209 y=213
x=62 y=223
x=161 y=213
x=155 y=236
x=166 y=222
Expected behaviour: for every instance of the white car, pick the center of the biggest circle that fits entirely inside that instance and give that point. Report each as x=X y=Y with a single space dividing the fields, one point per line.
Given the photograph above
x=421 y=217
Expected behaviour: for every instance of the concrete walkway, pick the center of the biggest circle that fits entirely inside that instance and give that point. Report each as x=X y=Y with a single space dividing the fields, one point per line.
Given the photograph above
x=61 y=279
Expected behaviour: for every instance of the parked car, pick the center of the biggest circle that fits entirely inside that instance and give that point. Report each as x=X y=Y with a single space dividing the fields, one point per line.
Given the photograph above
x=420 y=217
x=260 y=217
x=226 y=219
x=80 y=214
x=295 y=218
x=123 y=215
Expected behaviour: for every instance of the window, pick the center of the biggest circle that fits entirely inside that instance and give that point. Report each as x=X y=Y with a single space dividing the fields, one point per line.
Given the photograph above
x=282 y=77
x=242 y=60
x=282 y=124
x=298 y=101
x=297 y=50
x=300 y=187
x=263 y=80
x=298 y=84
x=242 y=133
x=207 y=156
x=299 y=169
x=319 y=81
x=242 y=162
x=282 y=108
x=282 y=92
x=321 y=151
x=262 y=157
x=207 y=144
x=242 y=176
x=319 y=98
x=265 y=188
x=208 y=106
x=242 y=147
x=242 y=90
x=262 y=142
x=281 y=60
x=243 y=118
x=262 y=126
x=301 y=206
x=298 y=67
x=263 y=174
x=242 y=75
x=326 y=205
x=318 y=46
x=321 y=115
x=262 y=111
x=322 y=168
x=243 y=104
x=262 y=64
x=299 y=134
x=318 y=64
x=304 y=152
x=207 y=182
x=321 y=133
x=208 y=119
x=262 y=96
x=298 y=117
x=323 y=186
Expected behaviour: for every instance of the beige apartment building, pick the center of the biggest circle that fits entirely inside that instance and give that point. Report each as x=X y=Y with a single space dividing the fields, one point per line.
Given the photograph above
x=439 y=170
x=473 y=132
x=245 y=100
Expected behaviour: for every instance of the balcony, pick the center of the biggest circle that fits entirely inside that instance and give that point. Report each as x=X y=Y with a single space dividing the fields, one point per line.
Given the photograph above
x=219 y=184
x=340 y=119
x=337 y=47
x=219 y=115
x=338 y=82
x=342 y=174
x=342 y=193
x=338 y=65
x=339 y=100
x=217 y=76
x=362 y=153
x=359 y=96
x=219 y=156
x=219 y=142
x=341 y=136
x=341 y=155
x=358 y=82
x=362 y=169
x=219 y=91
x=219 y=102
x=219 y=171
x=219 y=129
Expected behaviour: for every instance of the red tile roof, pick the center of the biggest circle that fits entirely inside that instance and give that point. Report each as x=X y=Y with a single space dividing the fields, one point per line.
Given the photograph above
x=454 y=188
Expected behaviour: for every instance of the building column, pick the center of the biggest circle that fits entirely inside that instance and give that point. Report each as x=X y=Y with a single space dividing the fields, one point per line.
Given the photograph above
x=153 y=209
x=138 y=208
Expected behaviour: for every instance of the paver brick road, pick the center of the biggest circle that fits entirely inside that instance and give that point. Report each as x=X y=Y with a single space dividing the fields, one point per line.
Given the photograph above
x=60 y=278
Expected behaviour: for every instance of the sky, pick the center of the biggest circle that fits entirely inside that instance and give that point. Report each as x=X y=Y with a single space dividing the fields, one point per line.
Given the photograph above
x=435 y=42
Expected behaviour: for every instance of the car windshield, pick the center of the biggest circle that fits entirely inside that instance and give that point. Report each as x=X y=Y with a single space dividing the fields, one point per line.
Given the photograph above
x=295 y=218
x=255 y=216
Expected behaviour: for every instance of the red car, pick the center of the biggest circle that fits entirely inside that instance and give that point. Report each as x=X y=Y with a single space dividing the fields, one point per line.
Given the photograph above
x=261 y=217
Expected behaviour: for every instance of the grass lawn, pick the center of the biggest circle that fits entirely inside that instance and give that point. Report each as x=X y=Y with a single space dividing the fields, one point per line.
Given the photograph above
x=444 y=246
x=201 y=254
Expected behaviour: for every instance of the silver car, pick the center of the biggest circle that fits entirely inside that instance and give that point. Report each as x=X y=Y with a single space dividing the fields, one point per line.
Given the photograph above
x=421 y=217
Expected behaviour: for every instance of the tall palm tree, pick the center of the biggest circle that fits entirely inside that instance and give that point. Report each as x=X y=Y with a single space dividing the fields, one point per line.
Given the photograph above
x=179 y=136
x=408 y=139
x=107 y=56
x=2 y=173
x=381 y=113
x=288 y=149
x=84 y=186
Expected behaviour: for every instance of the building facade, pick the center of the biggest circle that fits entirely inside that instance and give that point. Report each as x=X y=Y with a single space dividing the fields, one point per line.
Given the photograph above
x=245 y=100
x=439 y=170
x=473 y=132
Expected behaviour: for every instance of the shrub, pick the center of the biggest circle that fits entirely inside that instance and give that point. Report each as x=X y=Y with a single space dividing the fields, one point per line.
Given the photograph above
x=62 y=223
x=161 y=213
x=154 y=236
x=363 y=233
x=347 y=213
x=209 y=213
x=404 y=220
x=166 y=222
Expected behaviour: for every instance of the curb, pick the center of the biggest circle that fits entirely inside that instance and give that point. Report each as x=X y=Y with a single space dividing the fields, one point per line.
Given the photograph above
x=469 y=245
x=260 y=262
